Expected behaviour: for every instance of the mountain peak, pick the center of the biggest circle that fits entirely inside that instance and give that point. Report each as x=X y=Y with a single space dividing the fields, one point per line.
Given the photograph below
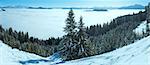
x=135 y=6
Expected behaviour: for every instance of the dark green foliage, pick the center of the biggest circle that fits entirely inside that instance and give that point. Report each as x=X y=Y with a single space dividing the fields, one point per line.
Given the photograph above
x=117 y=33
x=1 y=28
x=148 y=20
x=26 y=37
x=70 y=43
x=31 y=39
x=82 y=31
x=53 y=41
x=10 y=31
x=81 y=35
x=70 y=24
x=75 y=44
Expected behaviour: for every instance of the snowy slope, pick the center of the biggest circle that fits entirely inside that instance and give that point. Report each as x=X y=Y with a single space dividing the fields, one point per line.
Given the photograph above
x=9 y=56
x=137 y=53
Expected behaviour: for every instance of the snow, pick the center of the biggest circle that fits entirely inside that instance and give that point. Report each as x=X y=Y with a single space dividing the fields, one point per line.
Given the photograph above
x=141 y=28
x=137 y=53
x=9 y=56
x=43 y=23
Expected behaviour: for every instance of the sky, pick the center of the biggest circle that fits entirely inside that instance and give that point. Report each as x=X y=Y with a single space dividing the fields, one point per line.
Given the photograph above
x=73 y=3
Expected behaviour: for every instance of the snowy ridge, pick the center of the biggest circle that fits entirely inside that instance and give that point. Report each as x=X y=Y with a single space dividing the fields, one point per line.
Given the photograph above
x=137 y=53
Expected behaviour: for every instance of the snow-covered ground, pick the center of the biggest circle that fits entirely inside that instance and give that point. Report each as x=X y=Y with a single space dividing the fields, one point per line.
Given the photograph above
x=9 y=56
x=43 y=23
x=137 y=53
x=141 y=28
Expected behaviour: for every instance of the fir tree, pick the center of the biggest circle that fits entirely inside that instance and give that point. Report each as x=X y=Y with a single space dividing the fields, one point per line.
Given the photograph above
x=26 y=37
x=85 y=46
x=1 y=28
x=81 y=38
x=70 y=28
x=70 y=42
x=19 y=36
x=10 y=31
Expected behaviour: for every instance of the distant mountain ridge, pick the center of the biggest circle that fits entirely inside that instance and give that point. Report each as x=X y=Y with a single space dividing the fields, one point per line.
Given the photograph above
x=136 y=6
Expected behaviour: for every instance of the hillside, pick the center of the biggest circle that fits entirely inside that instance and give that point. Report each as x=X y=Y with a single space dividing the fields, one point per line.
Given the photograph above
x=134 y=54
x=9 y=56
x=12 y=56
x=137 y=53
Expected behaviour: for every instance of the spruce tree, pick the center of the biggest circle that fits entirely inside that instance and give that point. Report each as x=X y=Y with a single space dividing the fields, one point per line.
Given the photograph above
x=10 y=31
x=85 y=46
x=82 y=30
x=26 y=37
x=82 y=38
x=70 y=28
x=19 y=36
x=70 y=42
x=1 y=28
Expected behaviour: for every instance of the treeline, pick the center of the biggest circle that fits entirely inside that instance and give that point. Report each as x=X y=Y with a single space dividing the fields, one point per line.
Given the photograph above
x=117 y=33
x=22 y=41
x=95 y=30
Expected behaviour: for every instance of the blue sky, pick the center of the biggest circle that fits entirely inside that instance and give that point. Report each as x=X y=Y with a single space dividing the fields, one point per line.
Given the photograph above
x=73 y=3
